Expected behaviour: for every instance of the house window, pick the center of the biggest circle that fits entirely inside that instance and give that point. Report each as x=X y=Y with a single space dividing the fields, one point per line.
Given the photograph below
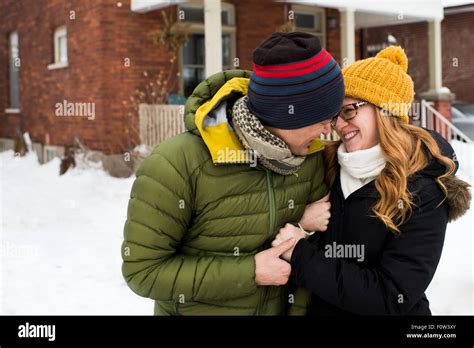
x=311 y=20
x=372 y=50
x=60 y=48
x=14 y=54
x=193 y=52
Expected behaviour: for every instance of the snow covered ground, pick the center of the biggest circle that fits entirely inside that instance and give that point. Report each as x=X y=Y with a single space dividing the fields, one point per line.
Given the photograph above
x=452 y=288
x=60 y=243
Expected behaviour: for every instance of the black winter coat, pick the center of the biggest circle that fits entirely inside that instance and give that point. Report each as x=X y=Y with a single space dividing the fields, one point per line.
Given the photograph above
x=394 y=272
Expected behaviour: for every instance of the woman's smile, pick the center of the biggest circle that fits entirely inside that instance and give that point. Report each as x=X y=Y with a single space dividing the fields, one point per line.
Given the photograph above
x=350 y=135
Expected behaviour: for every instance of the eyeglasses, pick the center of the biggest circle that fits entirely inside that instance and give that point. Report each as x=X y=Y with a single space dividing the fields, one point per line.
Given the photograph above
x=347 y=112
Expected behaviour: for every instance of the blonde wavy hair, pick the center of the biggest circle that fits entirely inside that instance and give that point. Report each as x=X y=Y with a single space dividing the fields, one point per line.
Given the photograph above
x=407 y=149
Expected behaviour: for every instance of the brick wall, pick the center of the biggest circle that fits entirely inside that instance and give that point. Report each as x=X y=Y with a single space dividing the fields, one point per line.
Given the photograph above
x=458 y=47
x=100 y=37
x=128 y=36
x=255 y=21
x=40 y=88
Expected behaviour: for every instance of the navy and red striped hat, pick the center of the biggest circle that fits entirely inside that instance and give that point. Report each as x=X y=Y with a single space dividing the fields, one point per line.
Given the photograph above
x=295 y=83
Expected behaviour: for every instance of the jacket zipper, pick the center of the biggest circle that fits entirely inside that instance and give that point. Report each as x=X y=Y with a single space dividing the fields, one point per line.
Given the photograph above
x=271 y=198
x=272 y=208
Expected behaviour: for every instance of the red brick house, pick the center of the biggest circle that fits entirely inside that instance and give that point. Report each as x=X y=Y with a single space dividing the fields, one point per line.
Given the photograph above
x=86 y=58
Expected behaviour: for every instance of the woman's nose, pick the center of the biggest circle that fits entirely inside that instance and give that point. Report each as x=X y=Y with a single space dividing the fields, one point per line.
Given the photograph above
x=340 y=123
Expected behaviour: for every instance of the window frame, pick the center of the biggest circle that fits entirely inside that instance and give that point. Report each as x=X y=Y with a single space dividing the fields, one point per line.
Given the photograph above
x=13 y=109
x=199 y=28
x=59 y=32
x=312 y=10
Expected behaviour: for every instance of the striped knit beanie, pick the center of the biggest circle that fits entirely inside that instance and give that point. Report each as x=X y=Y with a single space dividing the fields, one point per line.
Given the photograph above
x=295 y=83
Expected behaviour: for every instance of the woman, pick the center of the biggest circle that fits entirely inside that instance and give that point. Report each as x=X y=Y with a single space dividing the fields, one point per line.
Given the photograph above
x=393 y=191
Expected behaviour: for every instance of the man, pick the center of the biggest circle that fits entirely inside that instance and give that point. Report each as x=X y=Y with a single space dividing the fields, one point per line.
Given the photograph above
x=207 y=203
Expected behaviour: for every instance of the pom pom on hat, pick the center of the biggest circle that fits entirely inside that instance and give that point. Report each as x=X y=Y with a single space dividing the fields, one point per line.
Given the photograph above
x=396 y=55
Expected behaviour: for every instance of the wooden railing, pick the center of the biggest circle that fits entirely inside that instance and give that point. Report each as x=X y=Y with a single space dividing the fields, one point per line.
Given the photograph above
x=160 y=122
x=433 y=119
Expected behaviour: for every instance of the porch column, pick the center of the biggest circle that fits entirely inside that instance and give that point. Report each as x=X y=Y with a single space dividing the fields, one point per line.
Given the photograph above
x=435 y=55
x=347 y=36
x=439 y=95
x=213 y=36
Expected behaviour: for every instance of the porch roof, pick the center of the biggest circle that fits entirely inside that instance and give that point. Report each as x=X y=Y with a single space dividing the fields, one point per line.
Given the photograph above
x=374 y=13
x=368 y=13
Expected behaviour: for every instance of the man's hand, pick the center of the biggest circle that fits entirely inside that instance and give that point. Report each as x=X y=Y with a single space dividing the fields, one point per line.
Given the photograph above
x=270 y=269
x=286 y=233
x=316 y=215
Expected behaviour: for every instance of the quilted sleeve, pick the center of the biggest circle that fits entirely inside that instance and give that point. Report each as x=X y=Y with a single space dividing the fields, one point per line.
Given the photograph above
x=159 y=213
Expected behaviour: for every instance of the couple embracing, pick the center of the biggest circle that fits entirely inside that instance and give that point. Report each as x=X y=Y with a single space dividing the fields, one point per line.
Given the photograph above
x=348 y=227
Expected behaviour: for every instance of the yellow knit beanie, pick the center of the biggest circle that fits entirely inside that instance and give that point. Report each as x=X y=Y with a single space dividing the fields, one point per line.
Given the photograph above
x=383 y=81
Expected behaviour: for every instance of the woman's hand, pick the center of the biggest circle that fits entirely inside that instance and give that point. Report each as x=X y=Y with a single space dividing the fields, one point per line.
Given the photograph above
x=288 y=232
x=316 y=215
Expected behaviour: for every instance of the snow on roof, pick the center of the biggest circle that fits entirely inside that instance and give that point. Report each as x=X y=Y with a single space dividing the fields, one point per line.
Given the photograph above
x=421 y=9
x=451 y=3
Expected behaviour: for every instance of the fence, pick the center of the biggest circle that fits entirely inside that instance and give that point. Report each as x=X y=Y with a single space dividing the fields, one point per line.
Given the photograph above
x=433 y=119
x=160 y=122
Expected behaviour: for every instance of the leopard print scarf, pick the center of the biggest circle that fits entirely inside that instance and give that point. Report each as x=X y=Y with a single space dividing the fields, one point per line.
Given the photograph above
x=272 y=152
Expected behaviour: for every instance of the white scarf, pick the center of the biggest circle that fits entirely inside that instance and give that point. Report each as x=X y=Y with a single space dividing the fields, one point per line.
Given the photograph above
x=358 y=168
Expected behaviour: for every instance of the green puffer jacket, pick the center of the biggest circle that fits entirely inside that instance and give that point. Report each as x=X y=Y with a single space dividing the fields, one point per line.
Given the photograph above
x=196 y=219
